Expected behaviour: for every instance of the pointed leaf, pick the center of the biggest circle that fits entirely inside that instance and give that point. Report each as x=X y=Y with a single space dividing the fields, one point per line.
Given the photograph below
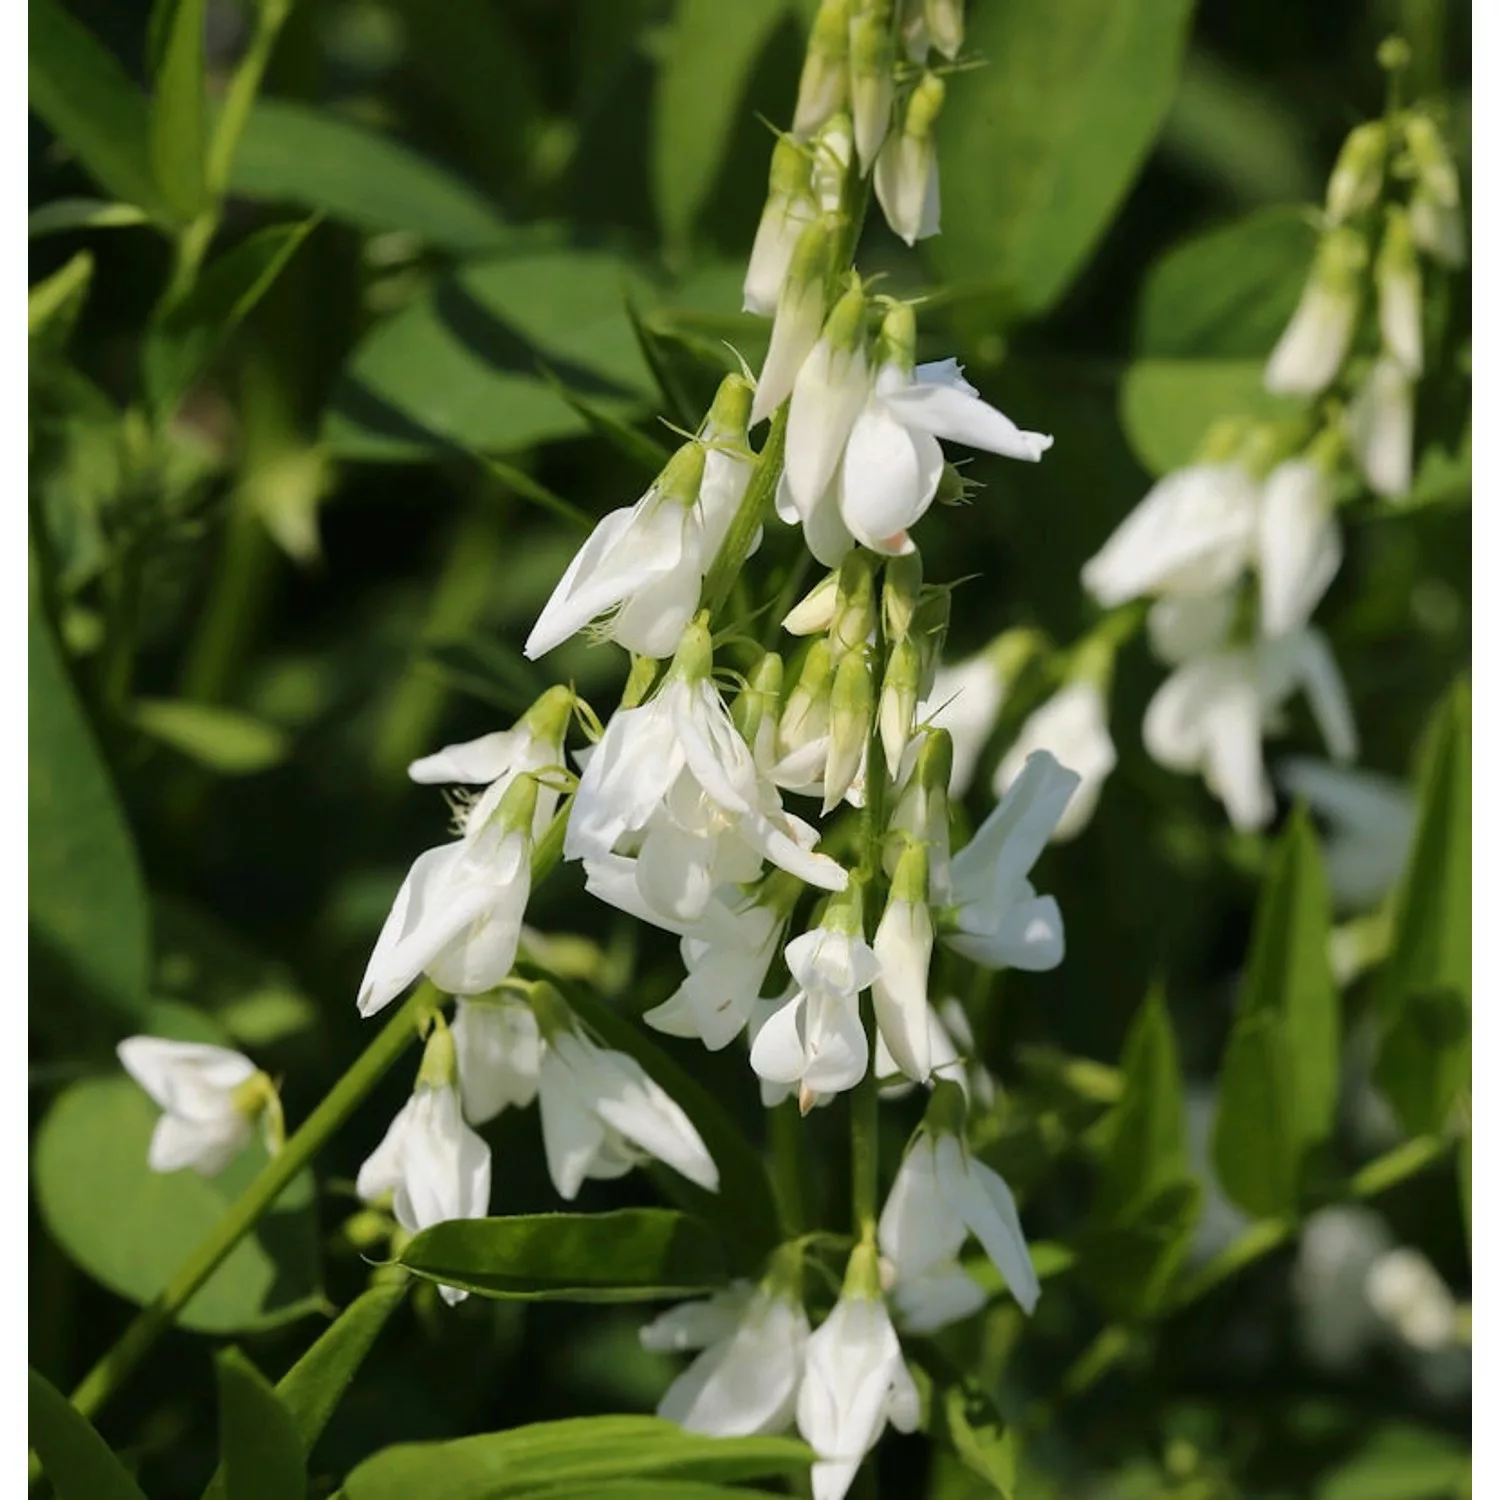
x=961 y=1415
x=53 y=305
x=1256 y=1150
x=81 y=213
x=83 y=93
x=578 y=1451
x=186 y=337
x=258 y=1442
x=87 y=904
x=177 y=133
x=1148 y=1136
x=643 y=450
x=1131 y=1265
x=1289 y=973
x=73 y=1456
x=630 y=1255
x=1424 y=1066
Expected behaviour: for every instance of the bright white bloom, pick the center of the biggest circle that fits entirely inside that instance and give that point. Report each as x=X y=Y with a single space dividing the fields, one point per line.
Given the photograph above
x=602 y=1114
x=1182 y=626
x=906 y=173
x=940 y=1196
x=435 y=1167
x=673 y=784
x=1299 y=544
x=1379 y=425
x=640 y=572
x=1192 y=534
x=1074 y=725
x=1211 y=714
x=800 y=311
x=1370 y=823
x=789 y=210
x=1406 y=1291
x=207 y=1118
x=727 y=953
x=745 y=1382
x=951 y=1039
x=903 y=951
x=1314 y=343
x=1339 y=1246
x=816 y=1039
x=1000 y=920
x=966 y=700
x=855 y=1382
x=499 y=1055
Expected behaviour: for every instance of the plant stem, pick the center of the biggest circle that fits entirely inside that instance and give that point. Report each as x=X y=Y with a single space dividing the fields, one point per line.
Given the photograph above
x=786 y=1167
x=338 y=1104
x=749 y=518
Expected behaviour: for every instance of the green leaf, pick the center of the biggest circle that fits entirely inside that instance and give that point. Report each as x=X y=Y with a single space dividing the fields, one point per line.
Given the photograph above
x=1147 y=1143
x=960 y=1415
x=711 y=50
x=88 y=917
x=53 y=305
x=83 y=93
x=1466 y=1186
x=1256 y=1150
x=81 y=213
x=1168 y=405
x=225 y=740
x=1399 y=1463
x=131 y=1228
x=73 y=1456
x=296 y=154
x=643 y=450
x=312 y=1389
x=461 y=365
x=578 y=1451
x=177 y=133
x=630 y=1255
x=1039 y=147
x=1288 y=973
x=1131 y=1265
x=183 y=340
x=1229 y=293
x=650 y=1489
x=1425 y=1063
x=259 y=1446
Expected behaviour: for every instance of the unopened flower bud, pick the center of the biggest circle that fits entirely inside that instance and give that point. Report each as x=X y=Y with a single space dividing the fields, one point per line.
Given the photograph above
x=899 y=696
x=906 y=175
x=872 y=77
x=897 y=344
x=916 y=42
x=813 y=613
x=754 y=711
x=900 y=594
x=1398 y=280
x=1355 y=182
x=833 y=153
x=1379 y=427
x=854 y=607
x=439 y=1068
x=903 y=944
x=1437 y=221
x=1314 y=343
x=694 y=658
x=805 y=715
x=849 y=729
x=799 y=315
x=824 y=84
x=921 y=812
x=790 y=208
x=945 y=25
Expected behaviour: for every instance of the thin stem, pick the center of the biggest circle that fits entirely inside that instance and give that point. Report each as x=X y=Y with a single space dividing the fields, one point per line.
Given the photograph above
x=240 y=95
x=749 y=518
x=338 y=1104
x=786 y=1168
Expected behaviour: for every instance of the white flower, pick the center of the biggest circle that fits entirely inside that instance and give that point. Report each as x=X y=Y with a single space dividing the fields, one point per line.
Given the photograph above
x=433 y=1164
x=1074 y=725
x=789 y=210
x=906 y=173
x=640 y=572
x=1192 y=534
x=1437 y=220
x=745 y=1382
x=1339 y=1245
x=951 y=1040
x=1000 y=919
x=799 y=316
x=1300 y=547
x=601 y=1113
x=1406 y=1291
x=824 y=84
x=966 y=700
x=1371 y=819
x=202 y=1125
x=903 y=951
x=1182 y=626
x=727 y=952
x=1315 y=341
x=871 y=80
x=674 y=780
x=854 y=1383
x=457 y=916
x=1399 y=282
x=940 y=1196
x=1211 y=714
x=816 y=1039
x=499 y=1055
x=1379 y=426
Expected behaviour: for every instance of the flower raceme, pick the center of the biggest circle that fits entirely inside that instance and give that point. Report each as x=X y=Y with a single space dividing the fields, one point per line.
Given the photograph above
x=210 y=1098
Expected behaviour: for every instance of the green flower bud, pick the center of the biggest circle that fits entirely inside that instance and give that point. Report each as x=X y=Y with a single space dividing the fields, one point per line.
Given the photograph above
x=901 y=594
x=853 y=706
x=1357 y=174
x=824 y=84
x=854 y=605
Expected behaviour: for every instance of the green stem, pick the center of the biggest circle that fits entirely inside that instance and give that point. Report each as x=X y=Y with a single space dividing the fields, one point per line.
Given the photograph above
x=240 y=95
x=104 y=1379
x=786 y=1167
x=754 y=508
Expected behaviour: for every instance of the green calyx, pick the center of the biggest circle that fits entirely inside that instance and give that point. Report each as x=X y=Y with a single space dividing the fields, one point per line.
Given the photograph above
x=679 y=482
x=729 y=416
x=439 y=1069
x=924 y=107
x=898 y=338
x=693 y=660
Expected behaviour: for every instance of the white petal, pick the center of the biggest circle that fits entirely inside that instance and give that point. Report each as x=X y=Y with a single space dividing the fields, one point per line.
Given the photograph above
x=1182 y=626
x=889 y=476
x=1379 y=424
x=946 y=411
x=572 y=1135
x=190 y=1079
x=585 y=590
x=612 y=879
x=1300 y=548
x=1010 y=840
x=903 y=947
x=1312 y=346
x=1073 y=726
x=1327 y=696
x=207 y=1146
x=838 y=1051
x=696 y=1325
x=499 y=1053
x=918 y=1227
x=674 y=872
x=382 y=1170
x=779 y=1053
x=445 y=1165
x=829 y=391
x=965 y=700
x=799 y=317
x=475 y=761
x=1029 y=936
x=989 y=1209
x=944 y=1295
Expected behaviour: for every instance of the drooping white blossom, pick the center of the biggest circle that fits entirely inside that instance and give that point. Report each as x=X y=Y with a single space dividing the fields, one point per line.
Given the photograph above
x=871 y=79
x=1357 y=174
x=906 y=172
x=746 y=1379
x=998 y=919
x=903 y=950
x=1379 y=423
x=1398 y=282
x=727 y=464
x=800 y=311
x=789 y=209
x=208 y=1110
x=1073 y=725
x=1316 y=340
x=499 y=1055
x=1299 y=547
x=1437 y=219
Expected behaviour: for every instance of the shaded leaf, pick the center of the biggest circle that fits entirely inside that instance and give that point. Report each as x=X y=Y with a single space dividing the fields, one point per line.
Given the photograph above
x=630 y=1255
x=225 y=740
x=1039 y=147
x=81 y=213
x=258 y=1443
x=1131 y=1264
x=961 y=1416
x=87 y=902
x=577 y=1451
x=1399 y=1463
x=1256 y=1149
x=644 y=451
x=53 y=305
x=176 y=132
x=73 y=1456
x=1424 y=1067
x=131 y=1228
